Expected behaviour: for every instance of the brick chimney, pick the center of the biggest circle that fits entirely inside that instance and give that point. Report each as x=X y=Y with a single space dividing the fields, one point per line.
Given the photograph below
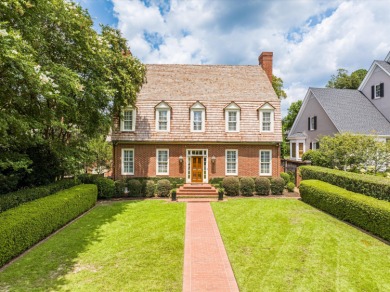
x=265 y=61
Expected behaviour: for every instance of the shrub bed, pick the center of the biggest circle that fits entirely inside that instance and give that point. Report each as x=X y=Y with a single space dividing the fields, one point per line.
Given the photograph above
x=373 y=186
x=14 y=199
x=150 y=189
x=231 y=186
x=368 y=213
x=262 y=186
x=247 y=186
x=286 y=177
x=24 y=226
x=134 y=187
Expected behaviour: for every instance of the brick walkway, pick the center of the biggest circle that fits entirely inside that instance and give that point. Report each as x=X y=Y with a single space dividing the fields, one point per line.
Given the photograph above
x=206 y=265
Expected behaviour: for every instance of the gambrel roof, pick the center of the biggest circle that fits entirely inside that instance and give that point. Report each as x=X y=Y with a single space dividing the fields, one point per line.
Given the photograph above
x=215 y=87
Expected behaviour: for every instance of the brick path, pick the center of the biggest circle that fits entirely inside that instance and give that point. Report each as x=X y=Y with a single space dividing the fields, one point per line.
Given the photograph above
x=206 y=265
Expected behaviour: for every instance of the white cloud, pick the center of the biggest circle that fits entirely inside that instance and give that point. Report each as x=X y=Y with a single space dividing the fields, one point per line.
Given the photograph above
x=310 y=39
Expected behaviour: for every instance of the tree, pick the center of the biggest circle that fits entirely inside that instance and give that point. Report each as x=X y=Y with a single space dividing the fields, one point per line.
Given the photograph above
x=277 y=84
x=61 y=82
x=344 y=81
x=99 y=155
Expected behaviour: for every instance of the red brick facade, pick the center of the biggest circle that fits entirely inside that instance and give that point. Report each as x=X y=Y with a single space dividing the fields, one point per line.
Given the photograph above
x=145 y=159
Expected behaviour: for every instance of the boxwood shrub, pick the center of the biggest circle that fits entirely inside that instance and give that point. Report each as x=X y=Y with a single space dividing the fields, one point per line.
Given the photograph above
x=247 y=186
x=14 y=199
x=262 y=186
x=286 y=177
x=231 y=186
x=134 y=187
x=373 y=186
x=25 y=225
x=150 y=188
x=163 y=188
x=277 y=185
x=290 y=187
x=368 y=213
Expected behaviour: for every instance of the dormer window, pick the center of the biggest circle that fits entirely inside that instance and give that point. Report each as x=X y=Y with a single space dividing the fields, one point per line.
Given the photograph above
x=266 y=117
x=198 y=117
x=232 y=118
x=163 y=117
x=128 y=119
x=377 y=91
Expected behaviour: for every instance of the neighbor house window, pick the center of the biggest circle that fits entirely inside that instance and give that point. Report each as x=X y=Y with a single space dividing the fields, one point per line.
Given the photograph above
x=162 y=161
x=293 y=150
x=198 y=112
x=265 y=162
x=378 y=91
x=128 y=161
x=312 y=122
x=266 y=117
x=163 y=117
x=300 y=153
x=232 y=118
x=128 y=119
x=231 y=162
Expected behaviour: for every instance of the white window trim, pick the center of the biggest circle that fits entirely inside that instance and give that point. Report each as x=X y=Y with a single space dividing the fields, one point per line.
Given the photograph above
x=134 y=119
x=123 y=162
x=297 y=142
x=203 y=111
x=261 y=111
x=158 y=110
x=236 y=170
x=162 y=173
x=270 y=167
x=237 y=120
x=377 y=96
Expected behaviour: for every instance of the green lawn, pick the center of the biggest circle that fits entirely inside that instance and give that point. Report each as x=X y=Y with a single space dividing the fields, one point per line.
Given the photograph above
x=122 y=246
x=286 y=245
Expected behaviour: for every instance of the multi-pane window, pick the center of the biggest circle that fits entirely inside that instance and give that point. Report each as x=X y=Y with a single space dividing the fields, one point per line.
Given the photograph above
x=162 y=161
x=265 y=162
x=197 y=123
x=266 y=121
x=231 y=162
x=162 y=120
x=128 y=120
x=377 y=90
x=312 y=123
x=232 y=117
x=127 y=161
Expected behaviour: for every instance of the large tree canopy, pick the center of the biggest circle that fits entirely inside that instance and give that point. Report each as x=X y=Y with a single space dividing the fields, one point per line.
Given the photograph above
x=344 y=81
x=60 y=82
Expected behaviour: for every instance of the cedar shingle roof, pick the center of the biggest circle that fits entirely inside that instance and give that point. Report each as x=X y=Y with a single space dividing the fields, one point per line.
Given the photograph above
x=215 y=86
x=351 y=111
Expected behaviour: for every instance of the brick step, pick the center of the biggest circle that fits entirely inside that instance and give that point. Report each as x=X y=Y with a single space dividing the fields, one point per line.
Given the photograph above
x=196 y=194
x=197 y=191
x=196 y=188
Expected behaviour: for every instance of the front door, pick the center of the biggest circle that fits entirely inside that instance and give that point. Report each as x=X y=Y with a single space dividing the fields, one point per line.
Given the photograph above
x=197 y=169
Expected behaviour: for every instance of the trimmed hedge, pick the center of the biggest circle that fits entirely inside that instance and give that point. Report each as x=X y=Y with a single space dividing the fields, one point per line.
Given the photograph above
x=150 y=188
x=163 y=188
x=373 y=186
x=14 y=199
x=24 y=226
x=368 y=213
x=286 y=177
x=290 y=187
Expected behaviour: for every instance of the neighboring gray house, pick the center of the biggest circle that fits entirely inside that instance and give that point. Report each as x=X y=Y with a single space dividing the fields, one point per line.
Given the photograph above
x=327 y=111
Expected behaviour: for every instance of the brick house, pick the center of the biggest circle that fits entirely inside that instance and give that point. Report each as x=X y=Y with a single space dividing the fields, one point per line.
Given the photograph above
x=199 y=122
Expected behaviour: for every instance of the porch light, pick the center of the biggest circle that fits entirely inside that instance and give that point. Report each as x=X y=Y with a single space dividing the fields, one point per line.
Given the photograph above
x=213 y=159
x=181 y=159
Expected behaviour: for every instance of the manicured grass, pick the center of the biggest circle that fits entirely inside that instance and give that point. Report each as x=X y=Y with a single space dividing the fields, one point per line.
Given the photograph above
x=286 y=245
x=122 y=246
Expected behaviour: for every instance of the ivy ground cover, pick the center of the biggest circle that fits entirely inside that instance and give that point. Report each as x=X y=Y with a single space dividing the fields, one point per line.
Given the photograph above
x=121 y=246
x=287 y=245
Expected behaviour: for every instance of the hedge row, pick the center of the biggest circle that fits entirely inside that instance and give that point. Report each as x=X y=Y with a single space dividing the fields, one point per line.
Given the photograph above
x=368 y=213
x=369 y=185
x=14 y=199
x=130 y=187
x=247 y=186
x=24 y=226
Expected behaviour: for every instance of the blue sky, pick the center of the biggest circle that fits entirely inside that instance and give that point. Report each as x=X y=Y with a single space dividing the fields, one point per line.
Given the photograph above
x=310 y=39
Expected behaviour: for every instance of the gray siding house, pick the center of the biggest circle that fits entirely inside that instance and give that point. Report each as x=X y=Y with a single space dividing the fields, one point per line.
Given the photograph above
x=327 y=111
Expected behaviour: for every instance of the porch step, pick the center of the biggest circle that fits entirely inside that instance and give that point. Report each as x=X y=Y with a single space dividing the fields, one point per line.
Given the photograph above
x=197 y=191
